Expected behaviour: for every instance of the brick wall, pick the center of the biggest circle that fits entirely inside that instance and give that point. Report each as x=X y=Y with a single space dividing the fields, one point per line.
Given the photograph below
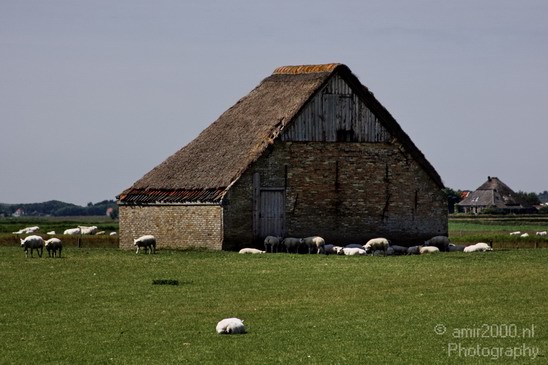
x=174 y=226
x=345 y=192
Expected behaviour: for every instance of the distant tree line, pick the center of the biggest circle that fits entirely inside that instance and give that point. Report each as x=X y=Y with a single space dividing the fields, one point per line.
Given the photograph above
x=60 y=209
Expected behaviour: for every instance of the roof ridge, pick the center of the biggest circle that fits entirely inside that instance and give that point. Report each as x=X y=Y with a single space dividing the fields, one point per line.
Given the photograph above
x=305 y=69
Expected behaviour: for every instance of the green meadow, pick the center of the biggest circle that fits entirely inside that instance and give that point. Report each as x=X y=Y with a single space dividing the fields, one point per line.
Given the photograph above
x=102 y=306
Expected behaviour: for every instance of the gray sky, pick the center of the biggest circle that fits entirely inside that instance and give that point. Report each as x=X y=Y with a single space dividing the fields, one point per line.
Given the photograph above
x=95 y=93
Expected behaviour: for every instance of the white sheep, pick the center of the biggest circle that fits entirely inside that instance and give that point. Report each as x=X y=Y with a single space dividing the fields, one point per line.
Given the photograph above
x=524 y=235
x=315 y=243
x=375 y=244
x=147 y=241
x=112 y=233
x=292 y=244
x=338 y=250
x=100 y=233
x=34 y=243
x=230 y=326
x=478 y=247
x=52 y=245
x=51 y=233
x=352 y=251
x=516 y=233
x=251 y=250
x=88 y=230
x=428 y=249
x=27 y=230
x=72 y=231
x=271 y=243
x=543 y=233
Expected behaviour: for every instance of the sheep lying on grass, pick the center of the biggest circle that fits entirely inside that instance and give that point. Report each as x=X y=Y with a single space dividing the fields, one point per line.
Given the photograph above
x=52 y=246
x=27 y=230
x=34 y=243
x=352 y=251
x=147 y=241
x=230 y=326
x=72 y=231
x=251 y=250
x=478 y=247
x=428 y=249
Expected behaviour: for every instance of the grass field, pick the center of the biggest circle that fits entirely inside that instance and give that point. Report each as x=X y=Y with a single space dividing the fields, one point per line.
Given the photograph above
x=99 y=306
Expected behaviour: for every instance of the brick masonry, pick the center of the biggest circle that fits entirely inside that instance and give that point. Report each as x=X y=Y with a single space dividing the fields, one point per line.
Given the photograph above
x=174 y=226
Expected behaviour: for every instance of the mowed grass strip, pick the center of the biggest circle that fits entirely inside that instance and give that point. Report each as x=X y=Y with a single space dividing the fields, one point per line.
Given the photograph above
x=100 y=306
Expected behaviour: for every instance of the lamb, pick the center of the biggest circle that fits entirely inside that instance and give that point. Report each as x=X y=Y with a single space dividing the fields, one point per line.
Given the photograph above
x=147 y=241
x=230 y=326
x=52 y=245
x=478 y=247
x=292 y=244
x=399 y=250
x=428 y=249
x=315 y=243
x=34 y=243
x=72 y=231
x=251 y=250
x=352 y=251
x=272 y=242
x=376 y=244
x=441 y=242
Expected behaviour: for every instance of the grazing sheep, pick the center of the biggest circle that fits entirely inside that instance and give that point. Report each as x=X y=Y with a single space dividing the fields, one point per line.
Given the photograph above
x=399 y=250
x=34 y=243
x=272 y=242
x=455 y=248
x=516 y=233
x=376 y=244
x=524 y=235
x=352 y=251
x=27 y=230
x=251 y=250
x=428 y=249
x=147 y=241
x=230 y=326
x=441 y=242
x=88 y=230
x=72 y=231
x=478 y=247
x=543 y=233
x=292 y=244
x=52 y=245
x=315 y=243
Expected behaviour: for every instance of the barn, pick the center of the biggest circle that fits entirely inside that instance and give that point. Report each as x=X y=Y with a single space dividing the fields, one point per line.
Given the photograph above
x=309 y=151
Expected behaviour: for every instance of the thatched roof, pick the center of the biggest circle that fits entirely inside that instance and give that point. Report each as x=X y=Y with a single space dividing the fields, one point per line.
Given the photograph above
x=494 y=193
x=203 y=170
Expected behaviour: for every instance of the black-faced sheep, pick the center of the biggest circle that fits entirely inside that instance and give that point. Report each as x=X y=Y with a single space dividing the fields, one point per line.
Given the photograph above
x=52 y=246
x=33 y=243
x=147 y=241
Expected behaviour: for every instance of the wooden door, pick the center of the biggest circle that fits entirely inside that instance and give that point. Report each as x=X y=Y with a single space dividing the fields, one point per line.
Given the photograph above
x=271 y=212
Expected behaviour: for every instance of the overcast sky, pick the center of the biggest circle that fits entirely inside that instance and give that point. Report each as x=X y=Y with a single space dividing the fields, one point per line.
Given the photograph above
x=95 y=93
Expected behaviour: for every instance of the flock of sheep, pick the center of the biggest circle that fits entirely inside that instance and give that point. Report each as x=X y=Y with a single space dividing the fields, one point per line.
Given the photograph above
x=53 y=245
x=375 y=246
x=518 y=233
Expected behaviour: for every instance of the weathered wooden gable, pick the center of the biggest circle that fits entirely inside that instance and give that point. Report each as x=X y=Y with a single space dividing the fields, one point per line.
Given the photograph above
x=336 y=114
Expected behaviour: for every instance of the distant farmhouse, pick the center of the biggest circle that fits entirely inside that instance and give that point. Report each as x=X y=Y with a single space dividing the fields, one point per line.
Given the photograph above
x=495 y=196
x=309 y=151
